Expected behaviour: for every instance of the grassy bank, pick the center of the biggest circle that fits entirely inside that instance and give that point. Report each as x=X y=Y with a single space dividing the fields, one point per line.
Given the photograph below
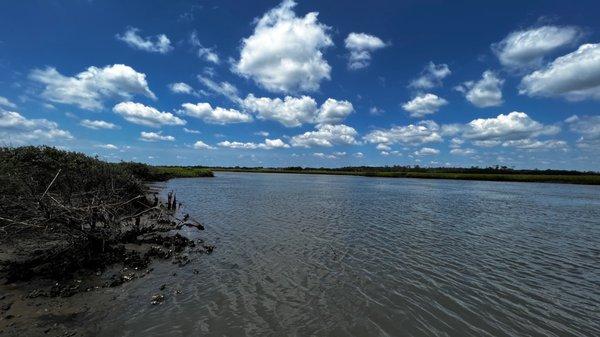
x=487 y=174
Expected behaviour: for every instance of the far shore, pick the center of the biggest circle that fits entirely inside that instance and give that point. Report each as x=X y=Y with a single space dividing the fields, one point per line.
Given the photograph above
x=517 y=176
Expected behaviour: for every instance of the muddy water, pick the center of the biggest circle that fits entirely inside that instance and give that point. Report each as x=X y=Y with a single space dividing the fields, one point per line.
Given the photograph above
x=337 y=256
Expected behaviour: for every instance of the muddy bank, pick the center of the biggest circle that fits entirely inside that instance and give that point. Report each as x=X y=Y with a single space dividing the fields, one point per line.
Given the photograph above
x=49 y=281
x=73 y=226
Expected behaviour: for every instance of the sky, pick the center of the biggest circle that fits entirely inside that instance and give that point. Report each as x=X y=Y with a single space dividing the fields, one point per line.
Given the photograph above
x=306 y=83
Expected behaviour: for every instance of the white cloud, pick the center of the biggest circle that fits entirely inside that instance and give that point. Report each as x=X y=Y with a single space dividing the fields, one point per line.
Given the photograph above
x=359 y=155
x=285 y=52
x=274 y=144
x=376 y=111
x=238 y=145
x=155 y=136
x=223 y=88
x=487 y=92
x=268 y=144
x=515 y=125
x=141 y=114
x=534 y=144
x=333 y=111
x=290 y=111
x=326 y=135
x=107 y=146
x=97 y=124
x=155 y=44
x=383 y=147
x=424 y=104
x=456 y=142
x=186 y=130
x=16 y=129
x=360 y=46
x=207 y=54
x=262 y=133
x=89 y=88
x=575 y=76
x=431 y=76
x=293 y=112
x=181 y=88
x=527 y=48
x=200 y=145
x=462 y=152
x=588 y=127
x=7 y=103
x=427 y=151
x=324 y=156
x=413 y=134
x=217 y=115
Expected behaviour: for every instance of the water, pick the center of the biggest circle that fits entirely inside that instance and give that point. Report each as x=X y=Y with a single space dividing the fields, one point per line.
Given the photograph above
x=353 y=256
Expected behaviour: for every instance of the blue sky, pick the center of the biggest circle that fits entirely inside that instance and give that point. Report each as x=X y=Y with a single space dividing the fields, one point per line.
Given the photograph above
x=313 y=83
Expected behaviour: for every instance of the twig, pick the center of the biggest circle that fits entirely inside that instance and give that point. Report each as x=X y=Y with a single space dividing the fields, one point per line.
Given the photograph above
x=52 y=182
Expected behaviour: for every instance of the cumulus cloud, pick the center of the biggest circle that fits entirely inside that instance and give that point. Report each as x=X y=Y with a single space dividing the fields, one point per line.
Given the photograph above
x=412 y=134
x=17 y=129
x=427 y=151
x=462 y=152
x=383 y=147
x=325 y=156
x=141 y=114
x=326 y=135
x=588 y=127
x=431 y=76
x=268 y=144
x=284 y=54
x=295 y=111
x=360 y=46
x=155 y=44
x=97 y=124
x=200 y=145
x=5 y=102
x=487 y=92
x=186 y=130
x=262 y=133
x=155 y=136
x=424 y=104
x=333 y=111
x=89 y=88
x=107 y=146
x=181 y=88
x=527 y=48
x=207 y=54
x=216 y=115
x=513 y=126
x=575 y=76
x=223 y=88
x=290 y=111
x=515 y=129
x=534 y=144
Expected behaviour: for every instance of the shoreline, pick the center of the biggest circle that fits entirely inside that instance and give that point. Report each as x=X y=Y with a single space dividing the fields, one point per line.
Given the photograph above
x=77 y=232
x=507 y=177
x=51 y=306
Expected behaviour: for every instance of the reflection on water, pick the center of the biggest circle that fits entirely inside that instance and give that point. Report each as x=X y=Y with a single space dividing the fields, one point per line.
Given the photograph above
x=337 y=256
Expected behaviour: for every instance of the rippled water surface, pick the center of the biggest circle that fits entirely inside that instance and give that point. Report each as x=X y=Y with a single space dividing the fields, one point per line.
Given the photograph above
x=339 y=256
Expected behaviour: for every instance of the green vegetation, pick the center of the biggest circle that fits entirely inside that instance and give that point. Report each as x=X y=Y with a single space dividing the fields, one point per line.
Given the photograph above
x=496 y=173
x=182 y=171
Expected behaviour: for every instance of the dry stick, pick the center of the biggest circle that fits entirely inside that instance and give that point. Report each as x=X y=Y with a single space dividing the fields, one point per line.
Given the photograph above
x=19 y=222
x=52 y=182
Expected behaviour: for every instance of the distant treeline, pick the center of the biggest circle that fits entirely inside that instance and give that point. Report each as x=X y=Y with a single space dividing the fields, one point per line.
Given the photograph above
x=493 y=173
x=404 y=169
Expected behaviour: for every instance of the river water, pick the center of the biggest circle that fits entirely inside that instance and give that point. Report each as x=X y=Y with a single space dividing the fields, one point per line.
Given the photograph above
x=354 y=256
